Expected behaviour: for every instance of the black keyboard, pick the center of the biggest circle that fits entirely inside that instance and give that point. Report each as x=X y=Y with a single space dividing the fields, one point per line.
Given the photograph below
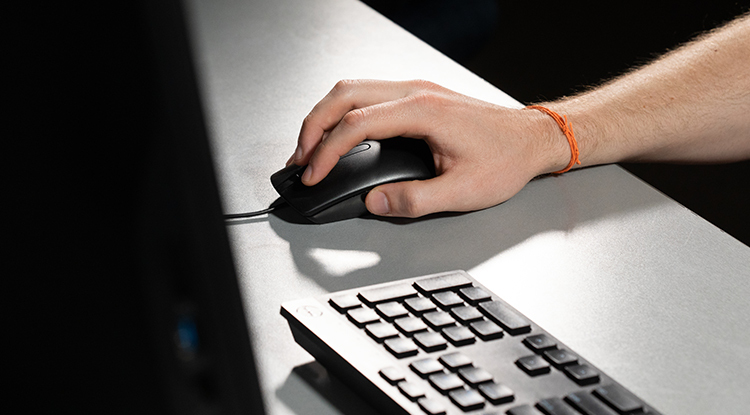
x=444 y=344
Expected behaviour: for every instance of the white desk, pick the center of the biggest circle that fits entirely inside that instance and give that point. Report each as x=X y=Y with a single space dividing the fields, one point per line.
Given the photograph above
x=643 y=288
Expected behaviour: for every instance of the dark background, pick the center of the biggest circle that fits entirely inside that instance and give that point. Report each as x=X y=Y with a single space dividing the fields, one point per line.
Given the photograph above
x=543 y=50
x=120 y=295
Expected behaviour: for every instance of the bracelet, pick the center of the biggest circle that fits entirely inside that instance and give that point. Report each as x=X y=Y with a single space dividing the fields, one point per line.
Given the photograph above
x=567 y=129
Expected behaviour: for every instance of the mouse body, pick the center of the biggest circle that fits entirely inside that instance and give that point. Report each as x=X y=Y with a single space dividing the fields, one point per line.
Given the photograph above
x=341 y=194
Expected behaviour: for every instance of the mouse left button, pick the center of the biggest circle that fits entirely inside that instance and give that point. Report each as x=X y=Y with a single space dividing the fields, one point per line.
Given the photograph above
x=287 y=176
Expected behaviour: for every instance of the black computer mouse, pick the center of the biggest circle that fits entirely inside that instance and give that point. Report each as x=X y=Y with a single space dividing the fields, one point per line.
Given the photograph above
x=341 y=194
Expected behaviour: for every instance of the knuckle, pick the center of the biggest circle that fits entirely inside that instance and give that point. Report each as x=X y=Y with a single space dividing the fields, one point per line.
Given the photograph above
x=308 y=120
x=354 y=118
x=427 y=100
x=343 y=87
x=423 y=85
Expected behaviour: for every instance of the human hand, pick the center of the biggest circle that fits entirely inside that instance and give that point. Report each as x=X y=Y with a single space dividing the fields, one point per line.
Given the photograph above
x=483 y=153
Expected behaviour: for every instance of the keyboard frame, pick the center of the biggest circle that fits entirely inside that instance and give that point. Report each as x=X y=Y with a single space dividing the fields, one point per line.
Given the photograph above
x=357 y=359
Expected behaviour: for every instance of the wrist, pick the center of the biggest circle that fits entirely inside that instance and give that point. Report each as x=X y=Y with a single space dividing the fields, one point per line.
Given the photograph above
x=553 y=153
x=566 y=127
x=590 y=123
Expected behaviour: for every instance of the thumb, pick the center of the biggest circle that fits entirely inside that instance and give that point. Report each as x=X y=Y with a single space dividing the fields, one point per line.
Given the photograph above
x=406 y=199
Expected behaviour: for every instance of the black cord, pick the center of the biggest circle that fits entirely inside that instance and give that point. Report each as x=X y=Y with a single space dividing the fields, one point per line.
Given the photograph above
x=249 y=214
x=243 y=215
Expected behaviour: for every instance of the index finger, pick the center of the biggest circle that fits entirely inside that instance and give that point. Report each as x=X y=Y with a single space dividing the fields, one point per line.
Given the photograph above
x=345 y=96
x=406 y=117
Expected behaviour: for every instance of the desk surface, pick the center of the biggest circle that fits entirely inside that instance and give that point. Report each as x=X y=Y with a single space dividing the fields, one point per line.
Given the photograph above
x=645 y=289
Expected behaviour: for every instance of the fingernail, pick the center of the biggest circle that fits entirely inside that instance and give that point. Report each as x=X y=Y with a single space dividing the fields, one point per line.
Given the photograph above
x=307 y=174
x=298 y=153
x=379 y=203
x=289 y=162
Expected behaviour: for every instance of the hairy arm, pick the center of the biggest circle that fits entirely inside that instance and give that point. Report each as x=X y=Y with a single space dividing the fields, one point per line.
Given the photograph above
x=691 y=106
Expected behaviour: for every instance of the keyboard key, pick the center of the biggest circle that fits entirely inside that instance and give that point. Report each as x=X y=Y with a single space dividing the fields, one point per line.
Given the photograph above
x=392 y=374
x=523 y=410
x=455 y=360
x=447 y=299
x=474 y=295
x=486 y=330
x=582 y=374
x=560 y=357
x=391 y=310
x=539 y=342
x=617 y=397
x=588 y=405
x=438 y=319
x=401 y=347
x=533 y=365
x=430 y=341
x=411 y=390
x=395 y=292
x=445 y=382
x=466 y=314
x=496 y=393
x=467 y=399
x=344 y=302
x=362 y=316
x=459 y=335
x=506 y=317
x=410 y=325
x=556 y=406
x=431 y=406
x=474 y=375
x=381 y=331
x=419 y=305
x=442 y=283
x=426 y=367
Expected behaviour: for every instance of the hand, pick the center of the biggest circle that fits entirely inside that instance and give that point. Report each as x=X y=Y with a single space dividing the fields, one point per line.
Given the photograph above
x=484 y=154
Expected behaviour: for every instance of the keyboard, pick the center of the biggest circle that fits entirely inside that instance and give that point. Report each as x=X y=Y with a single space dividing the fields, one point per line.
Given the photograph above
x=443 y=344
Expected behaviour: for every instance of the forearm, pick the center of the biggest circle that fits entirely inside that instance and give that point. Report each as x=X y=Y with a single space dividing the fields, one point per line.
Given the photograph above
x=692 y=106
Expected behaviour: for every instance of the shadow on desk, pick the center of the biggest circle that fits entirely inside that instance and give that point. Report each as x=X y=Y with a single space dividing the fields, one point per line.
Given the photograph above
x=358 y=252
x=325 y=386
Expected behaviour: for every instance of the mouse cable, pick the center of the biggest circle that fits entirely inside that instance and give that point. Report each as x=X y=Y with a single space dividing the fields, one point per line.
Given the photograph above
x=244 y=215
x=248 y=214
